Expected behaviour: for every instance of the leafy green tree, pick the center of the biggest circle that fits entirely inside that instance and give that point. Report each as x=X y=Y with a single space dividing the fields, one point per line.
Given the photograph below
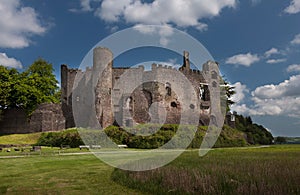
x=28 y=89
x=280 y=140
x=256 y=134
x=40 y=75
x=9 y=78
x=229 y=92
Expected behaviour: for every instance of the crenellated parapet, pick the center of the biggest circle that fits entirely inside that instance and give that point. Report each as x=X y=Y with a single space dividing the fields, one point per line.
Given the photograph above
x=155 y=66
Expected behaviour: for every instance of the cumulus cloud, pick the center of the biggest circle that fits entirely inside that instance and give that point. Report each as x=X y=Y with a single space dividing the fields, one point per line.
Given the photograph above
x=293 y=8
x=248 y=59
x=296 y=40
x=240 y=91
x=281 y=99
x=164 y=32
x=275 y=61
x=243 y=59
x=271 y=52
x=293 y=68
x=9 y=62
x=17 y=24
x=85 y=6
x=290 y=87
x=240 y=108
x=179 y=12
x=289 y=106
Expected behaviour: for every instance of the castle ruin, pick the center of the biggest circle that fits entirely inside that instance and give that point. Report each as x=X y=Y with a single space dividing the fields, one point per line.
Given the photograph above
x=113 y=106
x=116 y=103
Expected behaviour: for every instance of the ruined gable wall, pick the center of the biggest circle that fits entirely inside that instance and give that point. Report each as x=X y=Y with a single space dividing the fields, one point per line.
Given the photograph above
x=67 y=81
x=47 y=117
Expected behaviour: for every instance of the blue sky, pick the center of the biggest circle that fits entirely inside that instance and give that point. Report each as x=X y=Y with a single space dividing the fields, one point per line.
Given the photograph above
x=256 y=42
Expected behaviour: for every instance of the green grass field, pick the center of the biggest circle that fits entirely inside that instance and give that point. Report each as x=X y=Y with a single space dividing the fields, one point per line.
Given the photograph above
x=272 y=170
x=83 y=174
x=20 y=139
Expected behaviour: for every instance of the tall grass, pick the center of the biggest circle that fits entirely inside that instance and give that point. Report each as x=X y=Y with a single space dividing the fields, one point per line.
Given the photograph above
x=274 y=170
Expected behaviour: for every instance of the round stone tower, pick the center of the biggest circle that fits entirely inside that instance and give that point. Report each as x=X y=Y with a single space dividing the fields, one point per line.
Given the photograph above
x=102 y=63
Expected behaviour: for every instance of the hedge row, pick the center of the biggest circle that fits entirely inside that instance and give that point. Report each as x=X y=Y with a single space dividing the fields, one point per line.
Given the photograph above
x=168 y=136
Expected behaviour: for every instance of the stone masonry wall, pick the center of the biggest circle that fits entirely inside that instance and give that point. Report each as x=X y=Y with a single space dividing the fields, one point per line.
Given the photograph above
x=47 y=117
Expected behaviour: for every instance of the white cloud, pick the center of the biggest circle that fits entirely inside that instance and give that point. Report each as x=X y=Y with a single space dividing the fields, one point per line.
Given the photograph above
x=164 y=32
x=271 y=52
x=293 y=8
x=243 y=59
x=290 y=87
x=240 y=108
x=281 y=99
x=179 y=12
x=17 y=24
x=289 y=106
x=296 y=40
x=9 y=62
x=85 y=6
x=275 y=61
x=240 y=91
x=172 y=61
x=293 y=68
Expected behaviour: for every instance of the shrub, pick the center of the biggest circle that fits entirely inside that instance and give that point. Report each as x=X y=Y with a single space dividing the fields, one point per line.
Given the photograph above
x=57 y=139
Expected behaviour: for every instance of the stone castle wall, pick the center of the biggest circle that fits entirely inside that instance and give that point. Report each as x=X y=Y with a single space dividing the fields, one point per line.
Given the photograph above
x=133 y=104
x=118 y=102
x=47 y=117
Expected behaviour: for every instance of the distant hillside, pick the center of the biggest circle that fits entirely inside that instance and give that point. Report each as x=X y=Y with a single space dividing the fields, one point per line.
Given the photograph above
x=292 y=140
x=255 y=134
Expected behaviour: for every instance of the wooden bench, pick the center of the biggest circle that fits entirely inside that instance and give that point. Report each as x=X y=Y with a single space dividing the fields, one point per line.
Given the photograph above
x=84 y=147
x=95 y=146
x=36 y=148
x=122 y=146
x=65 y=147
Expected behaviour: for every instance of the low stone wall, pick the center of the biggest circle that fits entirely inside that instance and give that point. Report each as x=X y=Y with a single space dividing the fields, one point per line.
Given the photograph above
x=14 y=121
x=47 y=117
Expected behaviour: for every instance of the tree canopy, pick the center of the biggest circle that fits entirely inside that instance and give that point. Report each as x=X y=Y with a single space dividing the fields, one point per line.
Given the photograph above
x=36 y=85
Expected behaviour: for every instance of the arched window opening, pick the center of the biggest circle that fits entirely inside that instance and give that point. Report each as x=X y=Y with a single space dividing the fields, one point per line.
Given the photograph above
x=168 y=89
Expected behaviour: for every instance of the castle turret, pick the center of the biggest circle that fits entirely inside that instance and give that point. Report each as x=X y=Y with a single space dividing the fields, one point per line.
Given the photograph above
x=186 y=60
x=102 y=63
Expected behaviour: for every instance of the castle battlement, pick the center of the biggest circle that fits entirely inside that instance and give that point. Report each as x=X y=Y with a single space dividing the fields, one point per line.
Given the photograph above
x=155 y=66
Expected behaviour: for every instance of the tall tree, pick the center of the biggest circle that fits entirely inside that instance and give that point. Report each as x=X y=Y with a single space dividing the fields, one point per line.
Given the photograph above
x=229 y=92
x=8 y=81
x=28 y=89
x=40 y=75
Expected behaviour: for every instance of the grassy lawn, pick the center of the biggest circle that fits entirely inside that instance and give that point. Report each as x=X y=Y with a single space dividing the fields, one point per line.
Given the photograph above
x=58 y=175
x=272 y=170
x=20 y=139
